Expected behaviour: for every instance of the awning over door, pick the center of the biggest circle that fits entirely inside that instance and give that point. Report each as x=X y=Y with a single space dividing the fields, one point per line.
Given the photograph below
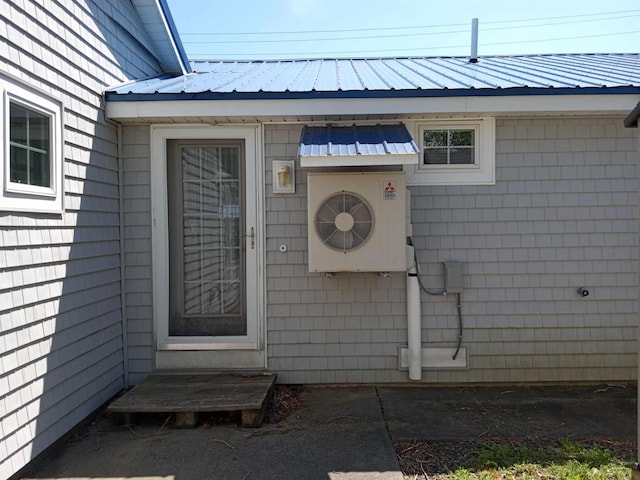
x=363 y=145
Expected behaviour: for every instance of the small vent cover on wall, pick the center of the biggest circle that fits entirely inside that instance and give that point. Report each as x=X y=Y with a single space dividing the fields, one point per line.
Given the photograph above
x=357 y=221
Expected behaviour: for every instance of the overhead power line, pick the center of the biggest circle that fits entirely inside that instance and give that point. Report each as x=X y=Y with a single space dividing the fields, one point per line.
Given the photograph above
x=566 y=16
x=440 y=47
x=316 y=39
x=400 y=35
x=292 y=32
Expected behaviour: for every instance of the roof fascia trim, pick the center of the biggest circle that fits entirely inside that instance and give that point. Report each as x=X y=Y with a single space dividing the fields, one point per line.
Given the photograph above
x=148 y=111
x=112 y=96
x=359 y=160
x=172 y=31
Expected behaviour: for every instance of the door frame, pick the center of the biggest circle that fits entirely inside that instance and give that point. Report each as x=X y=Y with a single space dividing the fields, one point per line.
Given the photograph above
x=248 y=351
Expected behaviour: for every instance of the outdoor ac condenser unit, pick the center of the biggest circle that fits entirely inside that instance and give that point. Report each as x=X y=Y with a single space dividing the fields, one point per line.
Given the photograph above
x=357 y=221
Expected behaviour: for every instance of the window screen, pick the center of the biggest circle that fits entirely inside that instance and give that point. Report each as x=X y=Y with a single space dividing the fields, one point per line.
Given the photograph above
x=30 y=146
x=449 y=147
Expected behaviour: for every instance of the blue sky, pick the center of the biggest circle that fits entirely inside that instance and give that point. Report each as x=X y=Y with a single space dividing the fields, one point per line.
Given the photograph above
x=280 y=29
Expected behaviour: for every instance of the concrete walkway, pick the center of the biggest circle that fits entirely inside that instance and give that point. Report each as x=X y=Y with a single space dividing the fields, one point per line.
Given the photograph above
x=343 y=433
x=337 y=433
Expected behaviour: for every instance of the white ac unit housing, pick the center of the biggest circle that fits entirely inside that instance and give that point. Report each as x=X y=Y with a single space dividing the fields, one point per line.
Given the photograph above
x=357 y=221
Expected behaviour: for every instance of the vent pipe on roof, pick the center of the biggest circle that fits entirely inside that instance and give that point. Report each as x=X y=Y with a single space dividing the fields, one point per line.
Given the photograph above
x=474 y=41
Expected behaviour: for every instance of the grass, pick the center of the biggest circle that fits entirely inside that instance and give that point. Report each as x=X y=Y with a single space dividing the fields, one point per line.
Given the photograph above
x=571 y=461
x=568 y=462
x=563 y=460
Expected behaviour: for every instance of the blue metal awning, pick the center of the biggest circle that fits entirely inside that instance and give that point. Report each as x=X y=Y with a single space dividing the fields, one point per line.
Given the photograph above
x=362 y=145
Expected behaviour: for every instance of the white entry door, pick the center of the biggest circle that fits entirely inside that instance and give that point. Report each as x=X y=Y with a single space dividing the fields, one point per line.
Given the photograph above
x=207 y=276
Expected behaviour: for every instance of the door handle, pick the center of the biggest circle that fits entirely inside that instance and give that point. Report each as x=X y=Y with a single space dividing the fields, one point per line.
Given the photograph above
x=252 y=236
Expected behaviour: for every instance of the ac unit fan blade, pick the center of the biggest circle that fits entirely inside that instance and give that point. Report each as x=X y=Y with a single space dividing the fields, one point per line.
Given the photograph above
x=344 y=221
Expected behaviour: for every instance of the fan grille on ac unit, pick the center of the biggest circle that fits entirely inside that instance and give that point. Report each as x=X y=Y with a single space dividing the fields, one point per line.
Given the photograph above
x=344 y=221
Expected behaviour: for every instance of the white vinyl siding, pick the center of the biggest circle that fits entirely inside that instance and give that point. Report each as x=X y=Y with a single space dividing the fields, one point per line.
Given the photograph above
x=60 y=309
x=137 y=250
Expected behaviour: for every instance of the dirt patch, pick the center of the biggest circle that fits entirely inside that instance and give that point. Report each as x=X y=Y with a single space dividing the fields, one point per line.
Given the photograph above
x=434 y=460
x=285 y=401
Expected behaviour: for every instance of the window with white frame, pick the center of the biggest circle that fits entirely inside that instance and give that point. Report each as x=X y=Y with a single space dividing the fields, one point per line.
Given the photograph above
x=454 y=152
x=31 y=176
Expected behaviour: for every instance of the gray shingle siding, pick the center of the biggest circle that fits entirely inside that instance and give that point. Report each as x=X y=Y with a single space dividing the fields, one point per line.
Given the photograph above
x=561 y=215
x=60 y=309
x=345 y=329
x=137 y=250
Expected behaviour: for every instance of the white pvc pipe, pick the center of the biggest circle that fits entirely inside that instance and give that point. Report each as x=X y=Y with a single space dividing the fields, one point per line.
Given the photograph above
x=414 y=327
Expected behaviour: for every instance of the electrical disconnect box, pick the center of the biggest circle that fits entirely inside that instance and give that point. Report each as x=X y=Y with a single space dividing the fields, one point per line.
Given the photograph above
x=453 y=277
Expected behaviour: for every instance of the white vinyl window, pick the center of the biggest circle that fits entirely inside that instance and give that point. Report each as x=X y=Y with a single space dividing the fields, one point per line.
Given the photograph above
x=454 y=152
x=31 y=176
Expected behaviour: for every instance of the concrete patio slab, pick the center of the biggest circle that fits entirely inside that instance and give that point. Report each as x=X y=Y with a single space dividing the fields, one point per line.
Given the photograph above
x=337 y=434
x=445 y=413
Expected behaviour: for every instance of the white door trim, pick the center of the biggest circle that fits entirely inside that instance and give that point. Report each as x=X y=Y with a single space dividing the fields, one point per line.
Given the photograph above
x=241 y=351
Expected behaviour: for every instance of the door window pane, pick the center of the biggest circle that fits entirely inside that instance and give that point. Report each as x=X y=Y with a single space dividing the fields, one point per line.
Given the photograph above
x=207 y=296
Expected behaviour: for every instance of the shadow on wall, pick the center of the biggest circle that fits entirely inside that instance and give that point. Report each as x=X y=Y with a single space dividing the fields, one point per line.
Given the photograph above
x=68 y=322
x=61 y=332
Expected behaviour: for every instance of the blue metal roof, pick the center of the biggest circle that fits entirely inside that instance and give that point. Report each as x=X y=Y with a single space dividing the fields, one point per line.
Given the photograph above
x=356 y=140
x=355 y=145
x=394 y=77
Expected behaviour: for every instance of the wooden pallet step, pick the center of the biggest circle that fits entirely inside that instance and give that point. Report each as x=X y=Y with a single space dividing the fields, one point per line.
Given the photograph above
x=187 y=395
